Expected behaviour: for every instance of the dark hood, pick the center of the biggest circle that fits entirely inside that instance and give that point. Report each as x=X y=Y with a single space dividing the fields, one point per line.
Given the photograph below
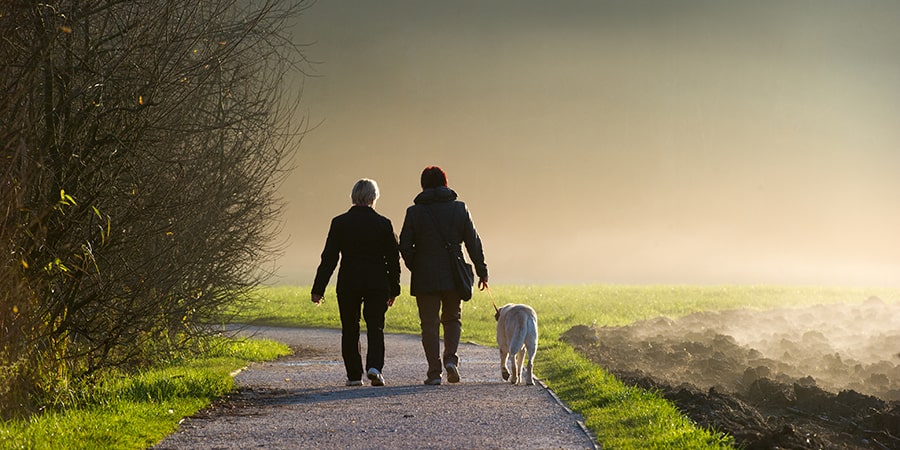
x=435 y=195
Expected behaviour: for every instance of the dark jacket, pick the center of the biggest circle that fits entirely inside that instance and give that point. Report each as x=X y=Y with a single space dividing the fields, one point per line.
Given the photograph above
x=422 y=246
x=366 y=245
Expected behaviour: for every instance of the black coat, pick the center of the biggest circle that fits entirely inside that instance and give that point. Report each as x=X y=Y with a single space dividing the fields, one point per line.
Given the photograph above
x=366 y=245
x=423 y=248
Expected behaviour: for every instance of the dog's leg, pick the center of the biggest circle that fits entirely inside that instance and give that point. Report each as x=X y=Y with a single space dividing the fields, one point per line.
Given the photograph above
x=520 y=357
x=503 y=345
x=527 y=374
x=513 y=375
x=531 y=343
x=516 y=351
x=504 y=358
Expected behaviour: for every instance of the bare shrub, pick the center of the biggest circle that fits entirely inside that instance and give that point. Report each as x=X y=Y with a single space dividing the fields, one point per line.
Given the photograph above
x=143 y=143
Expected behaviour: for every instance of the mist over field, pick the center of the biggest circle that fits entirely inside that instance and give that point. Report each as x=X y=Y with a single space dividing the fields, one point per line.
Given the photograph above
x=691 y=142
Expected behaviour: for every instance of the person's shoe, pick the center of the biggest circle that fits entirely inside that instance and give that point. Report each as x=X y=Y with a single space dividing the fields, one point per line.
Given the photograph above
x=354 y=382
x=376 y=377
x=433 y=382
x=452 y=373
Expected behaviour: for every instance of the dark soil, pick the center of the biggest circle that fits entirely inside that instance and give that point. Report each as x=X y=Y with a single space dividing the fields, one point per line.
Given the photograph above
x=825 y=376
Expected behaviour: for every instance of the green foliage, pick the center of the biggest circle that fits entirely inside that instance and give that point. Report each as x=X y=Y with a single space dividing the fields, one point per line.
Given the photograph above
x=134 y=412
x=620 y=416
x=560 y=307
x=291 y=306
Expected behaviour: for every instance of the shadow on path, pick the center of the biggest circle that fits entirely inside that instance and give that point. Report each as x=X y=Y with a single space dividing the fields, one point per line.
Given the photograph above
x=300 y=401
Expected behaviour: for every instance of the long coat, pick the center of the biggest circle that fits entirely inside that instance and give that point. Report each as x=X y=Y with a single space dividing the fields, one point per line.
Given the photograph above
x=423 y=246
x=365 y=243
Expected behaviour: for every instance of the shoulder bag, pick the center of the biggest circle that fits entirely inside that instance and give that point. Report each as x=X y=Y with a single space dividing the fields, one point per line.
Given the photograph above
x=463 y=276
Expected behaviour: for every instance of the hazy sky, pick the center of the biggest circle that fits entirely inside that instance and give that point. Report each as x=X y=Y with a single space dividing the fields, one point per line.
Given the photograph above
x=689 y=142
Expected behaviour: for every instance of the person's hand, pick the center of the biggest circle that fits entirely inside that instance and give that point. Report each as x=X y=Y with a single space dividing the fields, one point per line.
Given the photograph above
x=482 y=283
x=317 y=299
x=391 y=301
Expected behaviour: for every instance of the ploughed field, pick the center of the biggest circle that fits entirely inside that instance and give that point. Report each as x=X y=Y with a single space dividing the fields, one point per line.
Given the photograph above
x=825 y=376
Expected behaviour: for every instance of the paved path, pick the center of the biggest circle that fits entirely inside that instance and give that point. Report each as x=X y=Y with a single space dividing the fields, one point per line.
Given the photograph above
x=300 y=401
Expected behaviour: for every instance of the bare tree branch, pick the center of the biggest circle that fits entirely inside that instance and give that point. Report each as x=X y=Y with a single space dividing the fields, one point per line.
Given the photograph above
x=143 y=143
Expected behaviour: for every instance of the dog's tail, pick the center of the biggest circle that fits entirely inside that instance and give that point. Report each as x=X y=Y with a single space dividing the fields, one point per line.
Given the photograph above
x=527 y=326
x=517 y=340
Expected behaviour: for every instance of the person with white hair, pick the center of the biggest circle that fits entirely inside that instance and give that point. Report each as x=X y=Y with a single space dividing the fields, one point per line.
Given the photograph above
x=369 y=278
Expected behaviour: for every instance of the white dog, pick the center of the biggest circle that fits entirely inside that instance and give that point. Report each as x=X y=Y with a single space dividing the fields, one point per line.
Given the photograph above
x=517 y=330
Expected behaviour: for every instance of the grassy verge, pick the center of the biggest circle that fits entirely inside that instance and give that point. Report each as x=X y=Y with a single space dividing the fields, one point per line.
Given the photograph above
x=620 y=416
x=135 y=412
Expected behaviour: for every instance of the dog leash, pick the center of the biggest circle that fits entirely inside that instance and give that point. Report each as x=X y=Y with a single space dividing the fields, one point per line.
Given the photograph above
x=488 y=288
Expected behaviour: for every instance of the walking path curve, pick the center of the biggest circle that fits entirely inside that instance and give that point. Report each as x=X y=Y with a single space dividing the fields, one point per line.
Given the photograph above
x=300 y=401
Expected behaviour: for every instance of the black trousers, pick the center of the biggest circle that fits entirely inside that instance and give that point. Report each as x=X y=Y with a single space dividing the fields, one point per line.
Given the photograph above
x=374 y=308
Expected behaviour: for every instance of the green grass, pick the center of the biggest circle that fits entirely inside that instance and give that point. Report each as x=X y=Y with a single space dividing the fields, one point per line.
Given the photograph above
x=620 y=416
x=135 y=412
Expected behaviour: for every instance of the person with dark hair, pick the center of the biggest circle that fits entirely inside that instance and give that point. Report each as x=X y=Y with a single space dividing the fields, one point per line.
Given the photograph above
x=437 y=223
x=369 y=277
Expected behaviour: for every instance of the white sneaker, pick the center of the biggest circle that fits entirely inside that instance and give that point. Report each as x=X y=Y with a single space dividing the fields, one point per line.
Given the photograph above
x=354 y=382
x=376 y=377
